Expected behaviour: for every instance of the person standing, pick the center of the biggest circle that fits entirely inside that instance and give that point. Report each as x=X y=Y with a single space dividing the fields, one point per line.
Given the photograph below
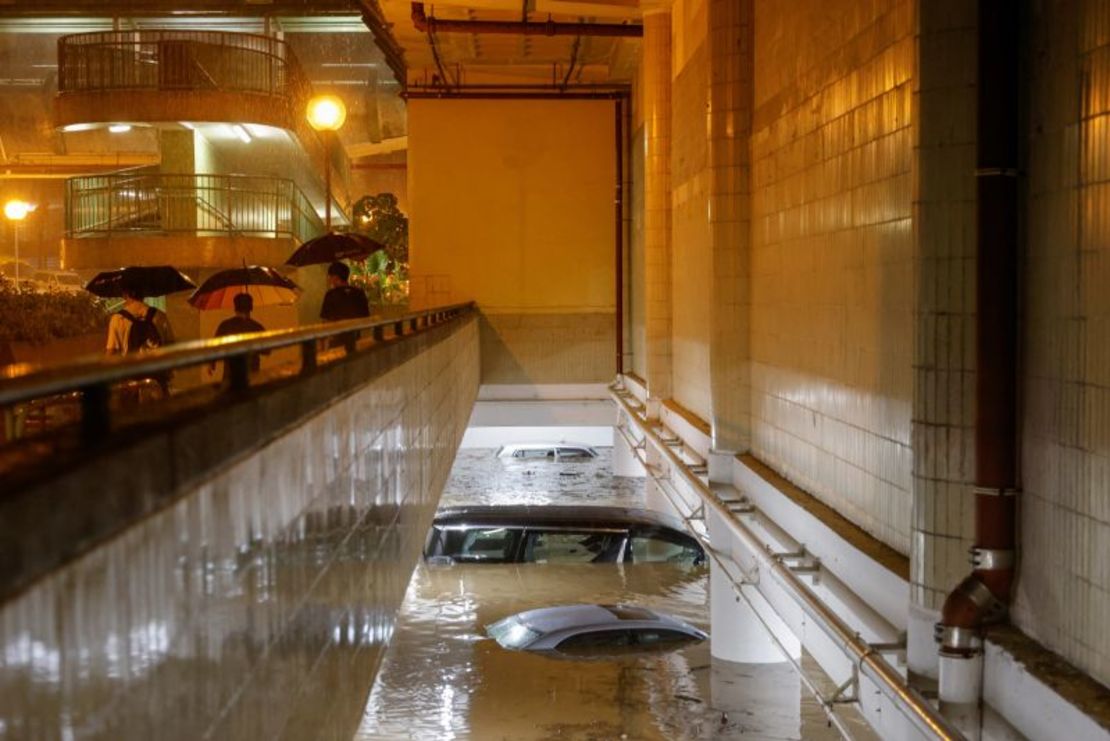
x=242 y=323
x=137 y=326
x=343 y=301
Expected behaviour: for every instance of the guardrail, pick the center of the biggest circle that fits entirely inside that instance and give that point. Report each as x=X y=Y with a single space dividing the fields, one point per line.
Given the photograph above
x=180 y=60
x=93 y=377
x=868 y=660
x=153 y=202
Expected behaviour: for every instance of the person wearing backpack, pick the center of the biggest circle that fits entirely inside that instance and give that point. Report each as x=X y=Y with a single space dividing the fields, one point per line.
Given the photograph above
x=137 y=327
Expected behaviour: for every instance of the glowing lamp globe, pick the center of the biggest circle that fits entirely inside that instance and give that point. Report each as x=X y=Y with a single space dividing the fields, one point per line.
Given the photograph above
x=17 y=210
x=326 y=113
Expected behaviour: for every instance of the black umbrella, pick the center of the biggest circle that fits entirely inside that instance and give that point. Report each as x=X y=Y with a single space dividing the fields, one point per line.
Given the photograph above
x=265 y=285
x=332 y=247
x=157 y=280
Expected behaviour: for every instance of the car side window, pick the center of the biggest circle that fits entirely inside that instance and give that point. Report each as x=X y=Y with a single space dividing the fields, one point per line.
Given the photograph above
x=657 y=636
x=571 y=547
x=487 y=545
x=535 y=453
x=654 y=546
x=573 y=454
x=596 y=639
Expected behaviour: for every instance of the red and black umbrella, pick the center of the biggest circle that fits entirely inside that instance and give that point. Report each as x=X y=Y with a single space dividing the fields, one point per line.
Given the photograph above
x=265 y=285
x=156 y=280
x=332 y=247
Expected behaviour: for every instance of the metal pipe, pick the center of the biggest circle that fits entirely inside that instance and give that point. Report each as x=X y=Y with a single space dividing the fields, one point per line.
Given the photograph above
x=618 y=110
x=427 y=24
x=916 y=709
x=983 y=596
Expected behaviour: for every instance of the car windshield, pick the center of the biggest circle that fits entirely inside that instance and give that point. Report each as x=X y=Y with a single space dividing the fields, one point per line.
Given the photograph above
x=511 y=633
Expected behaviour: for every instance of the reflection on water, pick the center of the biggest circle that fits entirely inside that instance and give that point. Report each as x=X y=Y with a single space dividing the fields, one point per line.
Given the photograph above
x=480 y=477
x=442 y=678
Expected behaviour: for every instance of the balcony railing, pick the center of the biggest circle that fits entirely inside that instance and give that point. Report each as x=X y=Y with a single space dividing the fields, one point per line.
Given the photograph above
x=142 y=201
x=180 y=60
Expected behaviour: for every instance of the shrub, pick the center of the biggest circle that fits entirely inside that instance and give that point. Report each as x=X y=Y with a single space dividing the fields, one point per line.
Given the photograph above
x=32 y=316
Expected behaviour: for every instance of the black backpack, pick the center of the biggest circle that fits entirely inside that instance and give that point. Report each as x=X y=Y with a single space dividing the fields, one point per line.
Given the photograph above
x=143 y=335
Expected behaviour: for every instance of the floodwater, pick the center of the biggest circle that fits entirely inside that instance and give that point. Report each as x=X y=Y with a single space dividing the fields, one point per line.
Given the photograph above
x=480 y=477
x=442 y=678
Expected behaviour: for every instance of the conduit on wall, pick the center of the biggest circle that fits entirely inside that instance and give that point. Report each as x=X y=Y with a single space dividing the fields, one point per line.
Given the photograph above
x=427 y=24
x=983 y=596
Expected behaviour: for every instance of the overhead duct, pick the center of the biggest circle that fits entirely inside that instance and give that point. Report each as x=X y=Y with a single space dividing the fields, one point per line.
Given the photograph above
x=521 y=28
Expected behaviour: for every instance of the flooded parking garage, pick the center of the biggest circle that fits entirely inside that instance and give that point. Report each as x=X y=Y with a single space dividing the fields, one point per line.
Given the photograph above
x=442 y=678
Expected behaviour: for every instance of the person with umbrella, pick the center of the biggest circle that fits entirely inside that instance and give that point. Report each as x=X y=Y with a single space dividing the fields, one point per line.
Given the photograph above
x=343 y=301
x=137 y=326
x=241 y=289
x=241 y=323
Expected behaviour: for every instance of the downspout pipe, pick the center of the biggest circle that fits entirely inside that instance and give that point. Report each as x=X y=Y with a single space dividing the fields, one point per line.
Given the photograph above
x=983 y=597
x=618 y=236
x=427 y=24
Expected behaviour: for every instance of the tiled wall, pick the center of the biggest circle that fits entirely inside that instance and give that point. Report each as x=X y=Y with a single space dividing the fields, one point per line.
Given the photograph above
x=691 y=248
x=944 y=317
x=1064 y=583
x=256 y=606
x=832 y=246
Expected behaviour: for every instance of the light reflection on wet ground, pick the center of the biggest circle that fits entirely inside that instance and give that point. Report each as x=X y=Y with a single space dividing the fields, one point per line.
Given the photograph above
x=442 y=678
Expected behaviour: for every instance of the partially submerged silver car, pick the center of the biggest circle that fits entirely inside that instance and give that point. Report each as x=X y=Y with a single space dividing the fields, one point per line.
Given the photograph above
x=593 y=629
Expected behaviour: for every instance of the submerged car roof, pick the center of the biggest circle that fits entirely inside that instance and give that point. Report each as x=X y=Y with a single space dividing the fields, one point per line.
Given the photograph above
x=523 y=515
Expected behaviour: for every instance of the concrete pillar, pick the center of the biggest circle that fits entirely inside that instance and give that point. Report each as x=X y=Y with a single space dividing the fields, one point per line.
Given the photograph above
x=737 y=633
x=625 y=462
x=730 y=116
x=943 y=517
x=178 y=198
x=655 y=85
x=654 y=497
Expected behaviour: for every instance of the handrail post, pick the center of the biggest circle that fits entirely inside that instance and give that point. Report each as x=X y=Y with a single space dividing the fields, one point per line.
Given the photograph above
x=308 y=357
x=413 y=323
x=398 y=328
x=378 y=333
x=96 y=416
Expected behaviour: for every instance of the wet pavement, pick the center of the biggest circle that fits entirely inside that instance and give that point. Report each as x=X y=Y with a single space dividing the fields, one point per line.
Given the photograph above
x=442 y=678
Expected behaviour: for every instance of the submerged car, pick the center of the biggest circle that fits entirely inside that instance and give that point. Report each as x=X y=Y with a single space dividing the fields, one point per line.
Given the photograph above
x=547 y=451
x=588 y=629
x=559 y=534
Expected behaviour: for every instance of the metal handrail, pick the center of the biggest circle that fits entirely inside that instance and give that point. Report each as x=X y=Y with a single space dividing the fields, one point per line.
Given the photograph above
x=94 y=375
x=259 y=204
x=913 y=706
x=151 y=59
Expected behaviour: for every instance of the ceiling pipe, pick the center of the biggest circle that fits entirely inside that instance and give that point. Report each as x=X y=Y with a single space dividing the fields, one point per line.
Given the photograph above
x=427 y=24
x=983 y=597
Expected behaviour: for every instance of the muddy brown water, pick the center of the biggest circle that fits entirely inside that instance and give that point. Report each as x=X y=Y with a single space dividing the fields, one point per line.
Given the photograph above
x=443 y=678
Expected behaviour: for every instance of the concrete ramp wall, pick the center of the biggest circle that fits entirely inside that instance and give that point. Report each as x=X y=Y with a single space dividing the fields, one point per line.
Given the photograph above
x=252 y=602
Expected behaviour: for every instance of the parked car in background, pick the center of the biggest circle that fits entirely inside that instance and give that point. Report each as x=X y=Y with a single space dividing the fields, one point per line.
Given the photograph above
x=582 y=630
x=547 y=451
x=59 y=280
x=559 y=534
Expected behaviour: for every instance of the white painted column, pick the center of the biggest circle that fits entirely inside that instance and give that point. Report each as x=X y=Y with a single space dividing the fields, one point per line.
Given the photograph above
x=737 y=632
x=625 y=462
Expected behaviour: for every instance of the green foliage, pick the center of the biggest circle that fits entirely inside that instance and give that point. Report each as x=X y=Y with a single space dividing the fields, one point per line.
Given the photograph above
x=379 y=218
x=33 y=316
x=385 y=281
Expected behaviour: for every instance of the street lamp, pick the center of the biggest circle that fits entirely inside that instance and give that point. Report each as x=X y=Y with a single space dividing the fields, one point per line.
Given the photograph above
x=326 y=114
x=16 y=211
